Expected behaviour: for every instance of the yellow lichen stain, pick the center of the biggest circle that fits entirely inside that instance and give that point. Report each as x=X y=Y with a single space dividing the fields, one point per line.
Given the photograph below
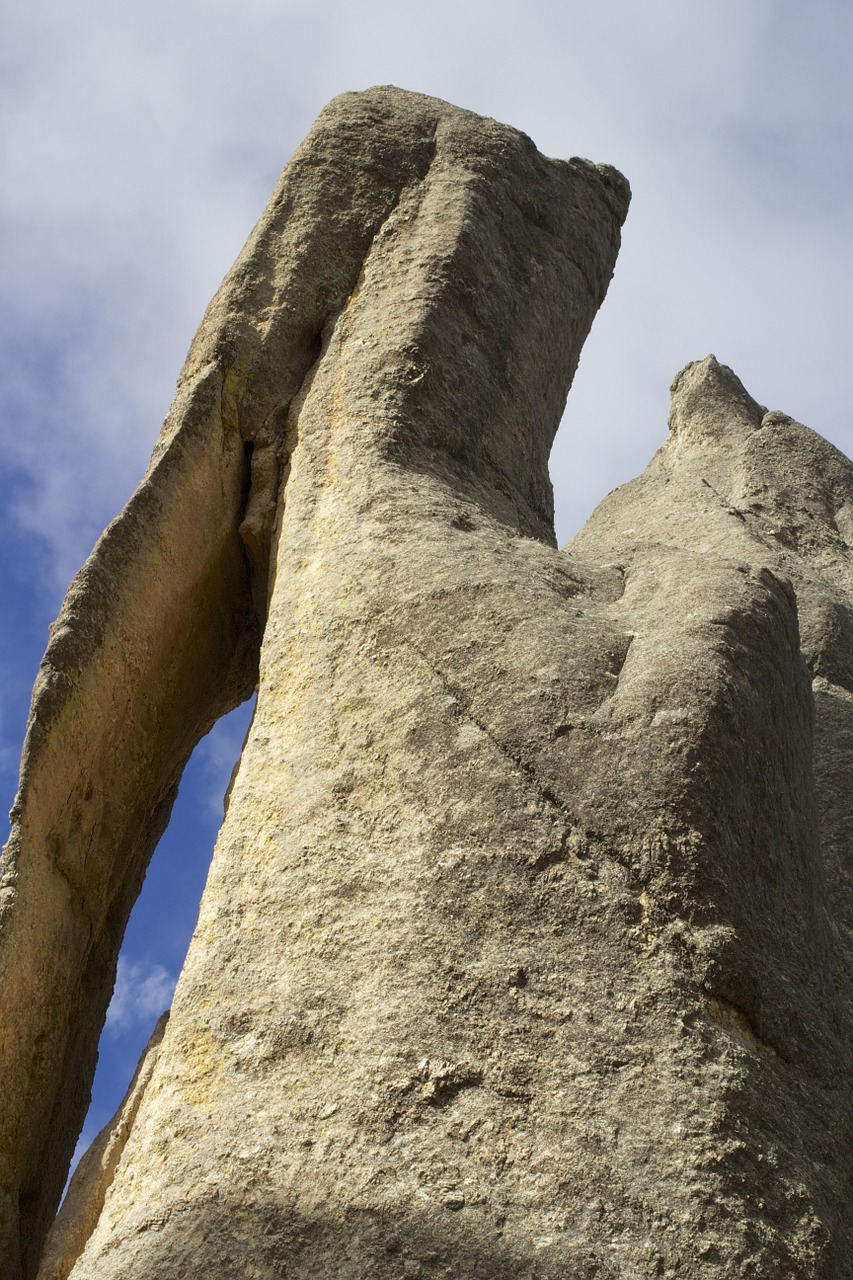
x=205 y=1060
x=737 y=1025
x=647 y=934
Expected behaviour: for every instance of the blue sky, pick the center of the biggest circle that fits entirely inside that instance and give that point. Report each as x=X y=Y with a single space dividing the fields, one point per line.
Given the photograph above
x=139 y=144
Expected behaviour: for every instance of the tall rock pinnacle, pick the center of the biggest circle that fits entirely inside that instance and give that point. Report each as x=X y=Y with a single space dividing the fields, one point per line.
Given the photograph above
x=391 y=351
x=525 y=948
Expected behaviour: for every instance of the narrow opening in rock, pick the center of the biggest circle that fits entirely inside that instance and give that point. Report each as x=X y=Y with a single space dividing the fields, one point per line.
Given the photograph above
x=162 y=921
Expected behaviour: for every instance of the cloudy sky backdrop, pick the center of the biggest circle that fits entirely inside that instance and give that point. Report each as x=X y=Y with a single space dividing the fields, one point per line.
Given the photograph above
x=139 y=144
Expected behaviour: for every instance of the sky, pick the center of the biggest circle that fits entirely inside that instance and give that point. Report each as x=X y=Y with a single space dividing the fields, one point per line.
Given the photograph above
x=138 y=145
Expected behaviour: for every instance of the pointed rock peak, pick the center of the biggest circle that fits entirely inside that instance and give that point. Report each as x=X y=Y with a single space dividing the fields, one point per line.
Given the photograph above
x=776 y=418
x=616 y=187
x=710 y=403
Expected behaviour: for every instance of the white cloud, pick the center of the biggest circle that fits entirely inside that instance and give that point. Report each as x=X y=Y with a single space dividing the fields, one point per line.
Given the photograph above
x=141 y=141
x=142 y=992
x=219 y=753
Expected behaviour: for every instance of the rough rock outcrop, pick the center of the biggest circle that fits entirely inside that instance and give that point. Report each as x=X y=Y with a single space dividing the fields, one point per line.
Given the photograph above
x=398 y=334
x=525 y=950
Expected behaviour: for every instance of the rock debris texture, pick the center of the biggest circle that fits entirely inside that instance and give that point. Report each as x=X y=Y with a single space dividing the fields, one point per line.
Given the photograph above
x=525 y=951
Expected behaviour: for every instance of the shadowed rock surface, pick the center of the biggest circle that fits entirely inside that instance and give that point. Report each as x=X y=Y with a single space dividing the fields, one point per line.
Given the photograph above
x=525 y=949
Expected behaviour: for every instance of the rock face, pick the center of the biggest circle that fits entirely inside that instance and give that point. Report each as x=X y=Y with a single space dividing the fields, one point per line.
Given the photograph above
x=525 y=950
x=398 y=334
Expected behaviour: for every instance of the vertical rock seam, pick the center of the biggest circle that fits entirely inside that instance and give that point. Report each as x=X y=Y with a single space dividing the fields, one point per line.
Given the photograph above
x=400 y=332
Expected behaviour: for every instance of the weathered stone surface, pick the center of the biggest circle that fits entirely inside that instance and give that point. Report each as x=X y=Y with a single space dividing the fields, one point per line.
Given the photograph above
x=526 y=948
x=394 y=346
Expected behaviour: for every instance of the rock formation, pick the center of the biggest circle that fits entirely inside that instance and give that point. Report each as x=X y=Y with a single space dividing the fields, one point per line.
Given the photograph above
x=526 y=945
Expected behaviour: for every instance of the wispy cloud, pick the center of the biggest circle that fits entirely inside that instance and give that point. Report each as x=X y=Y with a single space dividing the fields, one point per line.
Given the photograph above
x=142 y=992
x=218 y=754
x=139 y=144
